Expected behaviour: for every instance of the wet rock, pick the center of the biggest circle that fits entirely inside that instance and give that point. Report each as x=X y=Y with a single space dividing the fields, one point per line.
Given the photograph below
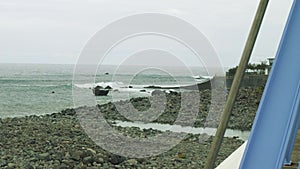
x=108 y=88
x=99 y=91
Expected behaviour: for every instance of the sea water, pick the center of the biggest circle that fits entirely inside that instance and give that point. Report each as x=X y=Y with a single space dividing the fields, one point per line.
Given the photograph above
x=27 y=89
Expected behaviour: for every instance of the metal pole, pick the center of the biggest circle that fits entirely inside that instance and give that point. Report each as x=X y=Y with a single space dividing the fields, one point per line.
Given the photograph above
x=217 y=141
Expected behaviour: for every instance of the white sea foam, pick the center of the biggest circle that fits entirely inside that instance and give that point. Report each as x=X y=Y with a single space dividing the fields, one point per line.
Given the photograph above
x=114 y=85
x=202 y=77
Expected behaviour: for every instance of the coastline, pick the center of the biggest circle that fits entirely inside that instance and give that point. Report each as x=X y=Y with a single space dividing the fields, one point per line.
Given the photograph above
x=58 y=141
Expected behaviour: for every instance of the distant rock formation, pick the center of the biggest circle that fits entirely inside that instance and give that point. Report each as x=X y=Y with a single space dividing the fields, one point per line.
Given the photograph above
x=99 y=91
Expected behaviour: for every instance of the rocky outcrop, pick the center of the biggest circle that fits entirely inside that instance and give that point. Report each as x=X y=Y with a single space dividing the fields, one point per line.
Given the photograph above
x=99 y=91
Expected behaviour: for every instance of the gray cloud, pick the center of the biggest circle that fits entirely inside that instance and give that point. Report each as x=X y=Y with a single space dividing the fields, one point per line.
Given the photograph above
x=55 y=31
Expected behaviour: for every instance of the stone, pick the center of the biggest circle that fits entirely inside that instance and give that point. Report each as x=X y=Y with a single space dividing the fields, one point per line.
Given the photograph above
x=108 y=87
x=2 y=162
x=91 y=151
x=115 y=159
x=99 y=91
x=100 y=160
x=88 y=160
x=132 y=162
x=76 y=155
x=67 y=155
x=63 y=166
x=11 y=165
x=44 y=156
x=70 y=112
x=28 y=166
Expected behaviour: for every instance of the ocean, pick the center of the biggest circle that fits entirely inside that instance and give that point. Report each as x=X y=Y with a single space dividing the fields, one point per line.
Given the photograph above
x=37 y=89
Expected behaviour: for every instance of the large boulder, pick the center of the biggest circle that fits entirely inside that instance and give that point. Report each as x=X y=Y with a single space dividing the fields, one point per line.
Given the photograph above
x=99 y=91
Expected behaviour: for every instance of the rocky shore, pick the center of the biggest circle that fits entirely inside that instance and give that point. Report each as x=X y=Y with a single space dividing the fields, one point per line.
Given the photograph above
x=58 y=140
x=209 y=111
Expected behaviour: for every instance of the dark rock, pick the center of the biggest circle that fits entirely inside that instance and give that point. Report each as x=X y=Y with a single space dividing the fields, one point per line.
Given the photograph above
x=88 y=160
x=115 y=159
x=32 y=142
x=70 y=112
x=99 y=91
x=130 y=87
x=86 y=153
x=108 y=87
x=28 y=166
x=153 y=87
x=76 y=155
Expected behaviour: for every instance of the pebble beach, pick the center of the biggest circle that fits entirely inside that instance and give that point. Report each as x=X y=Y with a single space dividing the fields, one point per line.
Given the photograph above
x=58 y=140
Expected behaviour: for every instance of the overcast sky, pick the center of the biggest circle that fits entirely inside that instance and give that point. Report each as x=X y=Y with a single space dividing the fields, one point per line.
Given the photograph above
x=55 y=31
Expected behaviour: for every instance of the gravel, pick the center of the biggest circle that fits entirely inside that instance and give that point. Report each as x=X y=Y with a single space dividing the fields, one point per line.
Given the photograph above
x=58 y=141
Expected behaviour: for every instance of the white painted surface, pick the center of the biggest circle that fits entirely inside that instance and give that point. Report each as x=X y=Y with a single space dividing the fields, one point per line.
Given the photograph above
x=234 y=160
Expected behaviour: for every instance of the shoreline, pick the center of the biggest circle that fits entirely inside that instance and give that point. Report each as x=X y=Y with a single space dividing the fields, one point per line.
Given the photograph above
x=58 y=140
x=242 y=116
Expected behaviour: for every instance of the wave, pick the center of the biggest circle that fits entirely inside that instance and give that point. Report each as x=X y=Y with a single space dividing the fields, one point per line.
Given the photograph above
x=202 y=77
x=121 y=87
x=114 y=85
x=40 y=85
x=192 y=86
x=117 y=87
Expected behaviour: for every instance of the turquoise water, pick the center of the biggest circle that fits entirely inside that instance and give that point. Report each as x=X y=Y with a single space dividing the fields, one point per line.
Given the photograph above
x=27 y=89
